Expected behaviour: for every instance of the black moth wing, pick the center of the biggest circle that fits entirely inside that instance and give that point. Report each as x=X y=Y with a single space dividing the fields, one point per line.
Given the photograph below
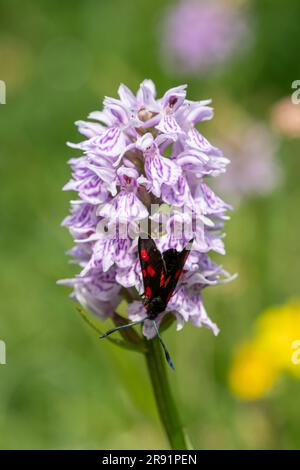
x=174 y=263
x=152 y=265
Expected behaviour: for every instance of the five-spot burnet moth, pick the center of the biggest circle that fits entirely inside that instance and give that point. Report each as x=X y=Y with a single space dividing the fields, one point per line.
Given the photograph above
x=161 y=273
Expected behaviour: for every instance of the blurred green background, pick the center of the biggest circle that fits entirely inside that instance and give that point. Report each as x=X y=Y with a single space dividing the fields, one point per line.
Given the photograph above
x=61 y=387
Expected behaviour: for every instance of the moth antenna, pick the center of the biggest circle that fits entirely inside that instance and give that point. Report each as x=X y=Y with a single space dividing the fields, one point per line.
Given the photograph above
x=112 y=330
x=168 y=357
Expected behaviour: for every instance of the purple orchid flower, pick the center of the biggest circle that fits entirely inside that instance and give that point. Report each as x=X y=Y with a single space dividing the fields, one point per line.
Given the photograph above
x=142 y=152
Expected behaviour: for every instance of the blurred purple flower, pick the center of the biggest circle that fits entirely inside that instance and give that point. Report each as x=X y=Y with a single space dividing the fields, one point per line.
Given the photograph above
x=253 y=169
x=198 y=35
x=142 y=151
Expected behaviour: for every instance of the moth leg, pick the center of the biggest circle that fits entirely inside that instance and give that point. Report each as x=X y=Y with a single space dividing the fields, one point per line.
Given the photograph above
x=167 y=355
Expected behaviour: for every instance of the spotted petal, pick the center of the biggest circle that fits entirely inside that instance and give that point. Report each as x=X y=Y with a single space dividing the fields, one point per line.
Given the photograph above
x=124 y=206
x=169 y=125
x=161 y=170
x=178 y=194
x=110 y=143
x=198 y=141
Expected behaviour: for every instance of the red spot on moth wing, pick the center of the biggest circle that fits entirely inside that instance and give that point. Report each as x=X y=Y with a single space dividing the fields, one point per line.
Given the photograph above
x=144 y=272
x=178 y=273
x=151 y=271
x=148 y=292
x=162 y=279
x=144 y=255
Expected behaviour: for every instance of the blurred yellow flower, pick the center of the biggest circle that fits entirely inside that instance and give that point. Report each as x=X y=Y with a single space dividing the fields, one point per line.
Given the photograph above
x=274 y=348
x=277 y=329
x=252 y=373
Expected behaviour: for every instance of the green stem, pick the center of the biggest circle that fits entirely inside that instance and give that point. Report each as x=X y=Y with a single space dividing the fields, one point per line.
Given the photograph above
x=165 y=402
